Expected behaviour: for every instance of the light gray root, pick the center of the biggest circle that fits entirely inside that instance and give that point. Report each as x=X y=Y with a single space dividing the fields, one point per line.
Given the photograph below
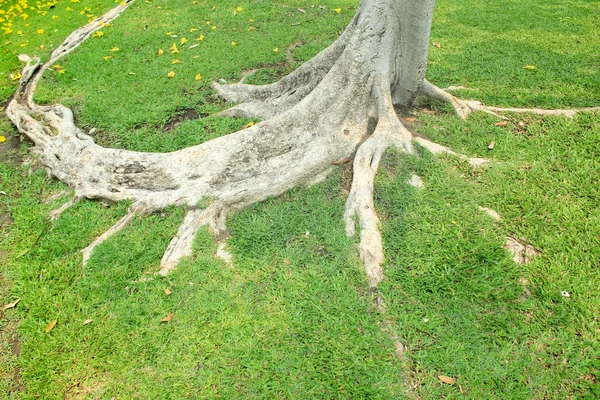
x=464 y=107
x=436 y=148
x=389 y=132
x=122 y=223
x=55 y=214
x=181 y=245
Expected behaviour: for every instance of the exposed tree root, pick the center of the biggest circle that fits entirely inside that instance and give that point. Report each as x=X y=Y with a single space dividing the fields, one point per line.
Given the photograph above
x=336 y=107
x=55 y=214
x=389 y=132
x=435 y=148
x=464 y=107
x=122 y=223
x=181 y=244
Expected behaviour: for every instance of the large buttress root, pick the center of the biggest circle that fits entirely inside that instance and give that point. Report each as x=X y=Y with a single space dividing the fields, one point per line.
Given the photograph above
x=295 y=147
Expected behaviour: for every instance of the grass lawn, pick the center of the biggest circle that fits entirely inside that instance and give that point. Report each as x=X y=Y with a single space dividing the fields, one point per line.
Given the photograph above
x=292 y=317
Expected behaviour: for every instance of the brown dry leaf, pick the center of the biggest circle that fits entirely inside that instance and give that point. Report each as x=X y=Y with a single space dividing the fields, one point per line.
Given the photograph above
x=168 y=317
x=286 y=261
x=14 y=303
x=428 y=111
x=51 y=326
x=502 y=123
x=167 y=292
x=436 y=45
x=492 y=145
x=87 y=321
x=410 y=119
x=447 y=379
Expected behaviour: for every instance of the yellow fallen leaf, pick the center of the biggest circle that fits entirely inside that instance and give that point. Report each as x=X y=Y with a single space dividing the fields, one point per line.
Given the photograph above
x=160 y=51
x=61 y=71
x=167 y=292
x=98 y=34
x=56 y=66
x=201 y=37
x=51 y=326
x=235 y=43
x=239 y=9
x=447 y=379
x=198 y=77
x=213 y=28
x=529 y=67
x=106 y=58
x=15 y=77
x=173 y=48
x=436 y=45
x=276 y=50
x=176 y=61
x=250 y=29
x=250 y=20
x=171 y=74
x=168 y=317
x=248 y=125
x=87 y=321
x=114 y=49
x=193 y=29
x=2 y=140
x=338 y=10
x=20 y=33
x=207 y=22
x=183 y=40
x=40 y=31
x=14 y=303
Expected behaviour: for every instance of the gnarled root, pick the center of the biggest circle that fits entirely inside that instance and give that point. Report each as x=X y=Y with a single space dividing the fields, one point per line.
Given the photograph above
x=317 y=116
x=464 y=107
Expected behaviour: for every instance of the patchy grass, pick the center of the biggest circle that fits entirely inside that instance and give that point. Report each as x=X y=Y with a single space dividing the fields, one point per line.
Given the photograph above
x=292 y=318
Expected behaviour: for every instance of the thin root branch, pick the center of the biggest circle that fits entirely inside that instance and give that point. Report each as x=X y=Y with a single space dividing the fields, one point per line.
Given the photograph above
x=122 y=223
x=55 y=214
x=464 y=107
x=435 y=148
x=182 y=243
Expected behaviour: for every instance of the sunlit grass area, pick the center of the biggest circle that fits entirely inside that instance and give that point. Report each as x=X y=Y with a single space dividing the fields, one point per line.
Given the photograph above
x=291 y=317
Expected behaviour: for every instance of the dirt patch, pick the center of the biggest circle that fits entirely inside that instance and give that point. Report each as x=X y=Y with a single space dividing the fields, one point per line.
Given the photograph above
x=5 y=219
x=10 y=347
x=188 y=115
x=522 y=253
x=10 y=150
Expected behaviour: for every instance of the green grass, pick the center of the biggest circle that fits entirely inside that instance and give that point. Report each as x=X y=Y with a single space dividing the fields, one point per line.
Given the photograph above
x=293 y=318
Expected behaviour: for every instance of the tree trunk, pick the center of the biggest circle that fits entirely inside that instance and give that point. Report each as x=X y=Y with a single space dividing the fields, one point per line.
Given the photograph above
x=336 y=106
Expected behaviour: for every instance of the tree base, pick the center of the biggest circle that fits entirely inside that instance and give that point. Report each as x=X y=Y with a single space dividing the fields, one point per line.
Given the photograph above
x=337 y=106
